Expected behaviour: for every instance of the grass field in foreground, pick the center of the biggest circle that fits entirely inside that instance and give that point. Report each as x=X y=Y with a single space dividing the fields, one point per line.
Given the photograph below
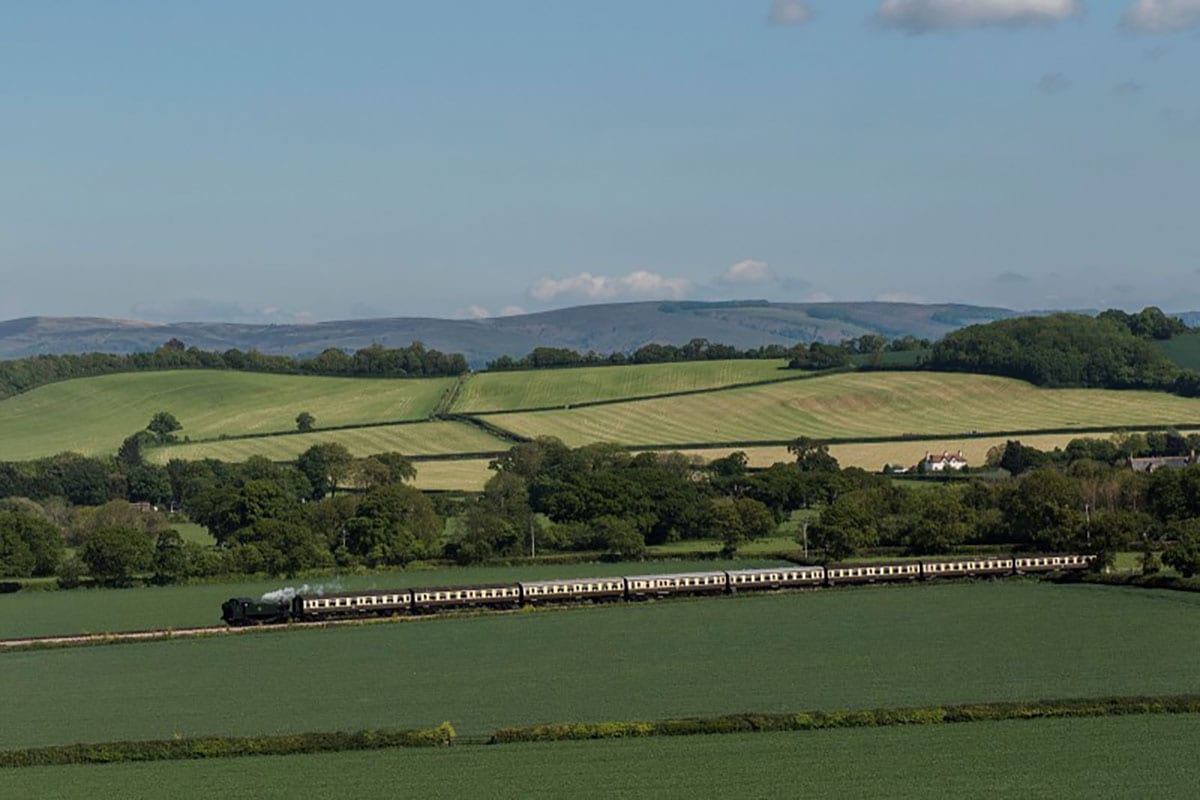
x=411 y=439
x=1151 y=756
x=108 y=610
x=499 y=391
x=832 y=649
x=855 y=405
x=93 y=415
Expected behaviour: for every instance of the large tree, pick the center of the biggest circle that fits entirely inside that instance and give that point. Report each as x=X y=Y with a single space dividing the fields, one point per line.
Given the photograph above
x=394 y=525
x=327 y=466
x=812 y=455
x=114 y=555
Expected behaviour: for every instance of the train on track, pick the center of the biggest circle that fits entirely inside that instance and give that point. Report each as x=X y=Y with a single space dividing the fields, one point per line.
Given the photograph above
x=426 y=600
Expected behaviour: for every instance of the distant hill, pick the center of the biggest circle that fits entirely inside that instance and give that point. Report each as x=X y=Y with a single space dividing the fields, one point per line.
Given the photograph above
x=604 y=328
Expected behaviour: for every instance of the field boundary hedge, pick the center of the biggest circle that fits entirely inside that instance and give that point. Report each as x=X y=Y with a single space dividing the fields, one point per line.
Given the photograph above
x=226 y=747
x=191 y=748
x=870 y=718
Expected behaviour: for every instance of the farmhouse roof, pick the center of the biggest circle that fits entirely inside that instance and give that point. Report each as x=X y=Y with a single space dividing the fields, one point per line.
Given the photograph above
x=1151 y=463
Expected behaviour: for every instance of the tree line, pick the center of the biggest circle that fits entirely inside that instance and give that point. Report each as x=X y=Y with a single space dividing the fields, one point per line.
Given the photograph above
x=823 y=355
x=1114 y=350
x=21 y=375
x=330 y=509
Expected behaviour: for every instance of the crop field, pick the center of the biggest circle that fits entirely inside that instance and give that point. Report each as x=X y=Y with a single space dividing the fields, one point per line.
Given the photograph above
x=872 y=456
x=93 y=415
x=461 y=475
x=500 y=391
x=108 y=610
x=1071 y=758
x=469 y=475
x=852 y=405
x=855 y=648
x=412 y=439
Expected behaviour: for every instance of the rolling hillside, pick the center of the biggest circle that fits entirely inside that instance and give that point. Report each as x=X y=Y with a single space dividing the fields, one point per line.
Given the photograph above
x=93 y=415
x=499 y=391
x=414 y=439
x=603 y=328
x=232 y=416
x=855 y=405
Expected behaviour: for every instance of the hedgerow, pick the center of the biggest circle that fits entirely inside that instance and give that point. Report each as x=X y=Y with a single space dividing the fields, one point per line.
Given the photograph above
x=872 y=718
x=227 y=747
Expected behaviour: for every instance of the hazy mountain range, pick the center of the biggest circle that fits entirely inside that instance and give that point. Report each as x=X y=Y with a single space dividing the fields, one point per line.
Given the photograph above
x=603 y=328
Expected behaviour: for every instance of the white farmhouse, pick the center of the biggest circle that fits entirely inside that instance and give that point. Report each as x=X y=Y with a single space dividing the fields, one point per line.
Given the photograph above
x=943 y=462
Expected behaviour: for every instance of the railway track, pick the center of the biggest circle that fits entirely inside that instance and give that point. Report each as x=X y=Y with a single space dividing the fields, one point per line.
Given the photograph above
x=76 y=639
x=89 y=638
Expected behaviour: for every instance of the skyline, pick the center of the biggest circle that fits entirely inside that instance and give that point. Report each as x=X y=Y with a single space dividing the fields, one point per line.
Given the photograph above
x=290 y=163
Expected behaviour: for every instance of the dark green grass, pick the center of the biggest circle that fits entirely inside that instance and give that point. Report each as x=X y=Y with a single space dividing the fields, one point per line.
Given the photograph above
x=1183 y=350
x=859 y=648
x=1088 y=758
x=110 y=610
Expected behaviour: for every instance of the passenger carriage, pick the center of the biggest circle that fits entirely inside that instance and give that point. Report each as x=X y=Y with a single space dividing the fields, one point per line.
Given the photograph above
x=961 y=567
x=1051 y=562
x=568 y=590
x=341 y=605
x=746 y=580
x=500 y=595
x=640 y=587
x=873 y=573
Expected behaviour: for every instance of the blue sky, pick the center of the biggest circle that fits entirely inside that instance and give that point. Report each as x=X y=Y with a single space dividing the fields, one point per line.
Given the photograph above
x=309 y=160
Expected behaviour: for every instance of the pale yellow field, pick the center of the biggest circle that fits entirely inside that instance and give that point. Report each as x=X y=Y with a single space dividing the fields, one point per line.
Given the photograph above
x=453 y=475
x=416 y=439
x=940 y=405
x=872 y=457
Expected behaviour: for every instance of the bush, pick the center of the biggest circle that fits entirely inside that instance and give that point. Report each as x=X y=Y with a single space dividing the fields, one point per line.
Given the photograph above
x=71 y=572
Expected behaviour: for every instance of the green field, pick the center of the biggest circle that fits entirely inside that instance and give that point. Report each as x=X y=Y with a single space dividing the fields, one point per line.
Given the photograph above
x=855 y=405
x=879 y=647
x=192 y=532
x=1183 y=350
x=1075 y=758
x=500 y=391
x=412 y=439
x=108 y=610
x=93 y=415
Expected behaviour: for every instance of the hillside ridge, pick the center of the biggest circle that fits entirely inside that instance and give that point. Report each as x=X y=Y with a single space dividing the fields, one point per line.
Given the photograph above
x=604 y=327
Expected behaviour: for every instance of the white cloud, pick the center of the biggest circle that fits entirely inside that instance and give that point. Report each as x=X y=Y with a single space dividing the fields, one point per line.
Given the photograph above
x=748 y=271
x=473 y=312
x=789 y=12
x=1162 y=16
x=923 y=16
x=602 y=287
x=512 y=311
